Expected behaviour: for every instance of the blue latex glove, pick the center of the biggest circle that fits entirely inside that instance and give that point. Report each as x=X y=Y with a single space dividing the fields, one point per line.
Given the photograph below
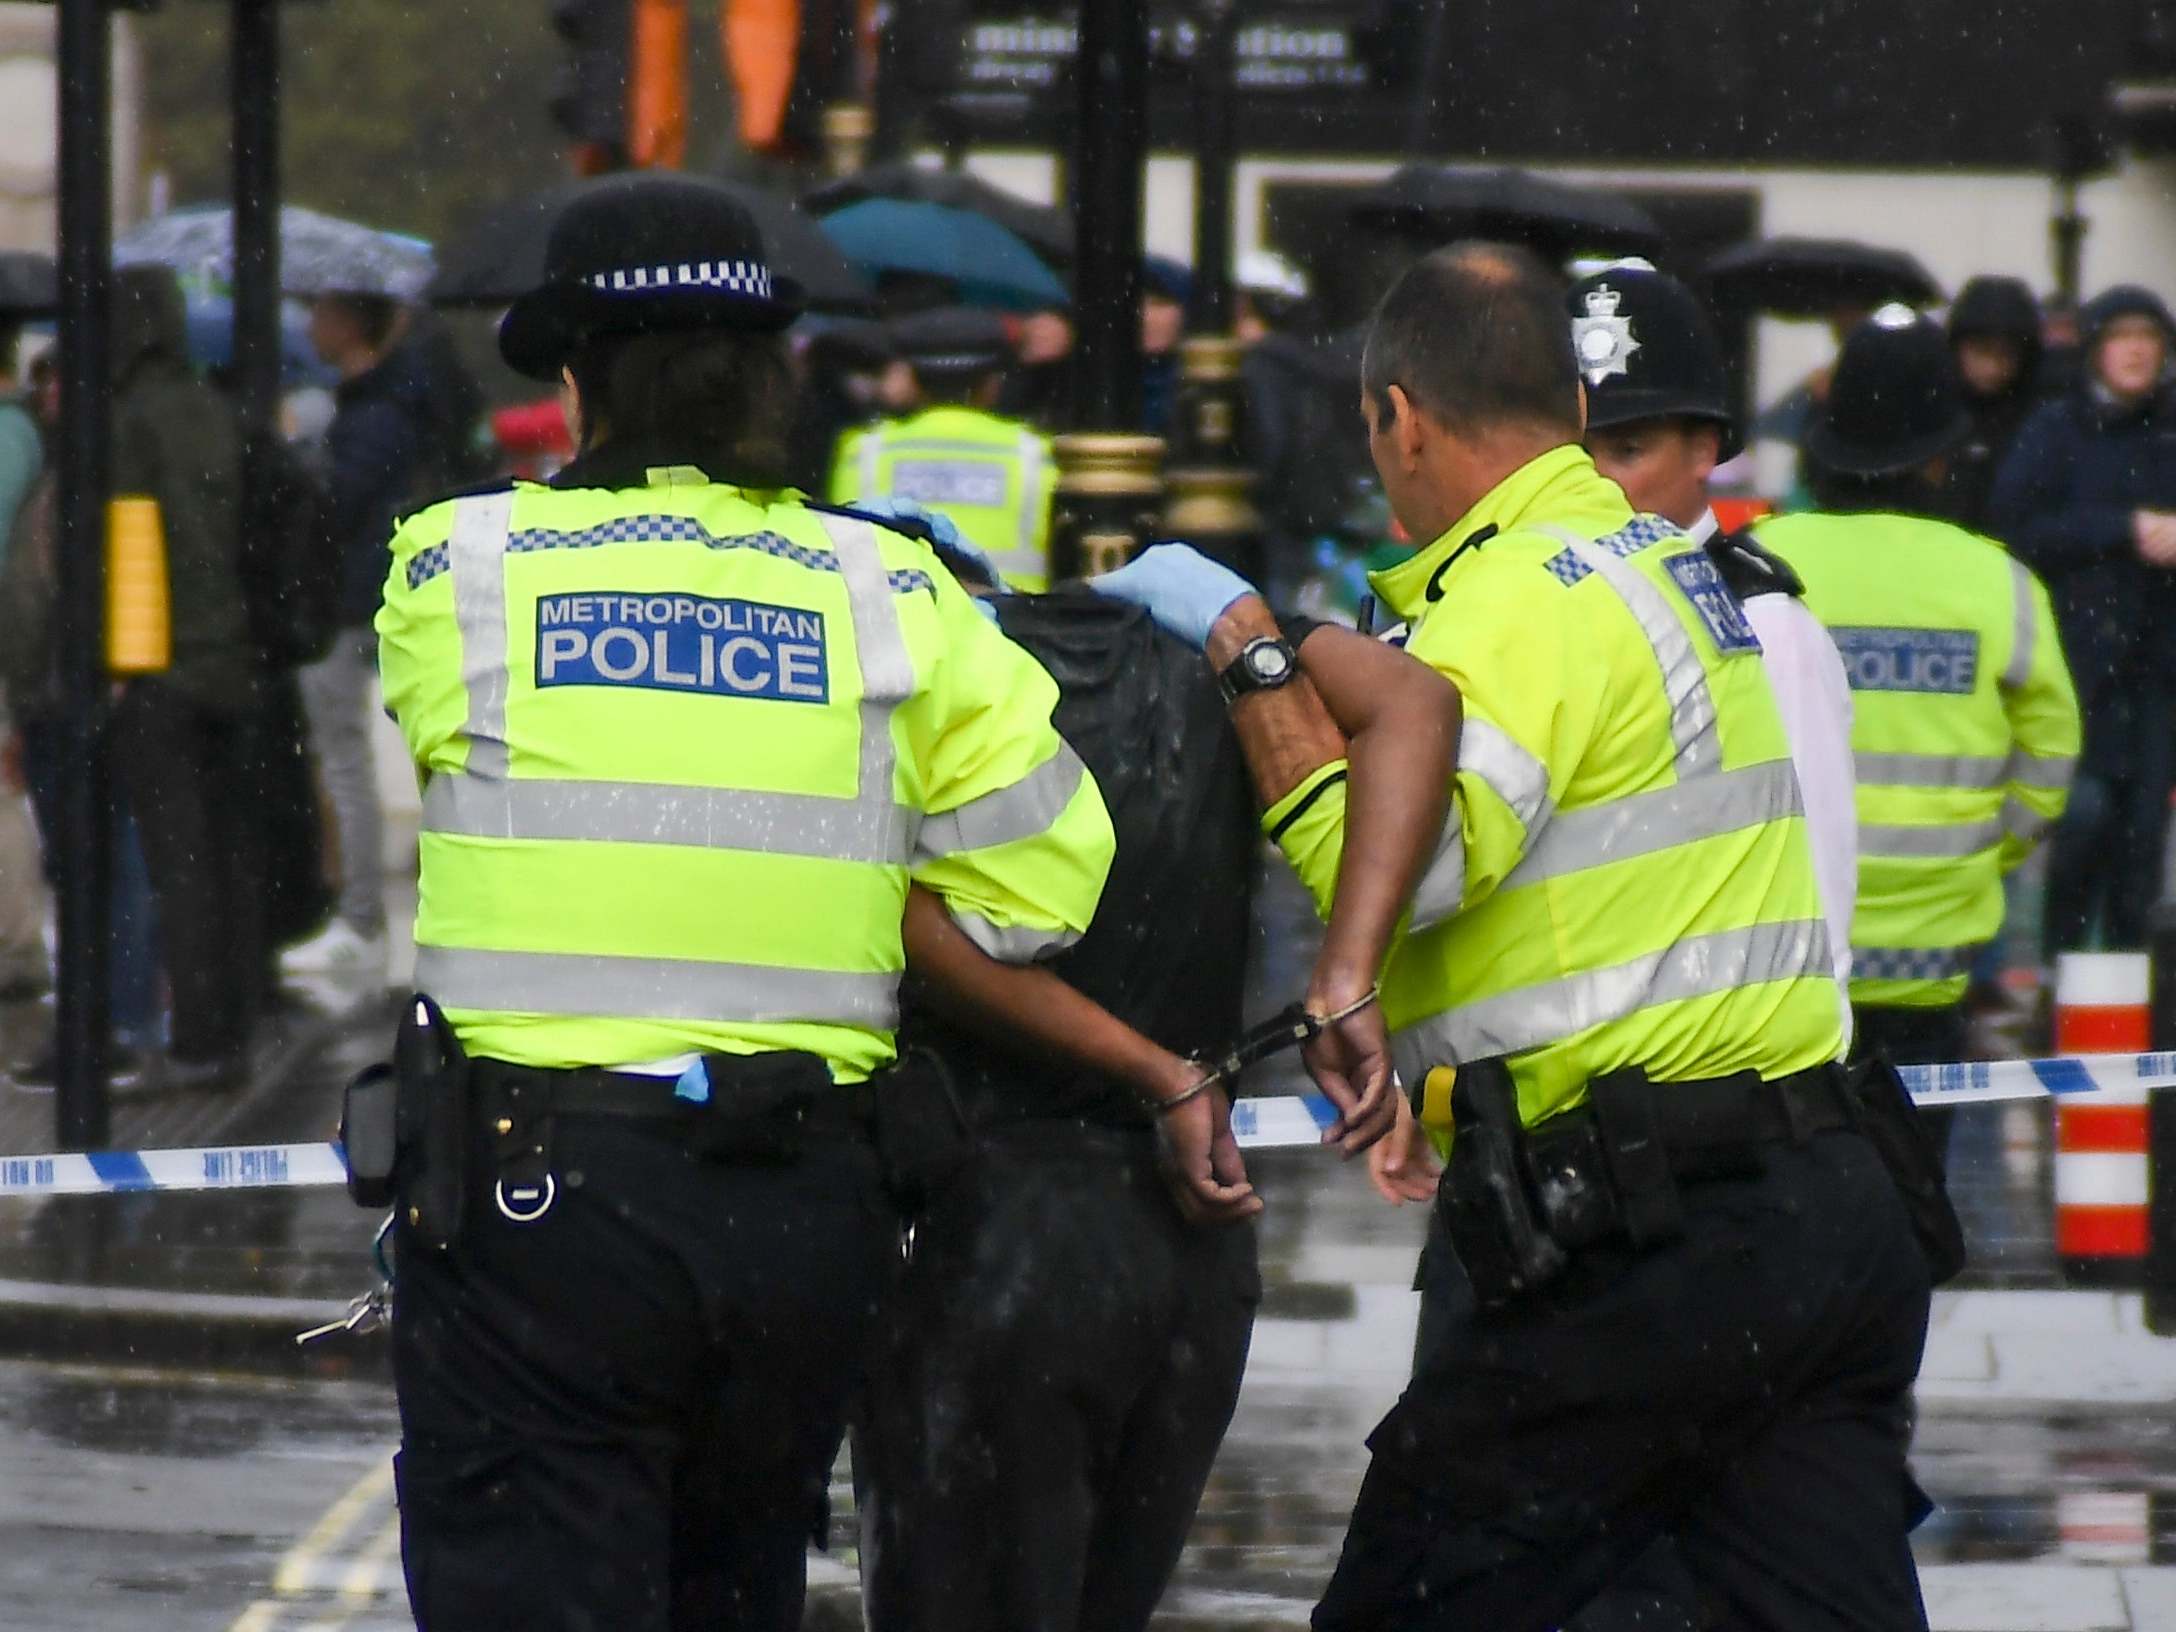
x=1182 y=589
x=940 y=527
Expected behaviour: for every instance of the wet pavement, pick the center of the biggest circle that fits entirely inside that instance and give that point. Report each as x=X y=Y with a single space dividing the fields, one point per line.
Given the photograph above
x=133 y=1495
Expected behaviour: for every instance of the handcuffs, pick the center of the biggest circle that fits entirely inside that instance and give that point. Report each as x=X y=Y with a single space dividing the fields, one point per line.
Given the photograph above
x=1290 y=1027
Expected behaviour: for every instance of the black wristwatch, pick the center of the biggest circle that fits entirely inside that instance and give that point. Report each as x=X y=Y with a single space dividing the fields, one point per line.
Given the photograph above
x=1263 y=664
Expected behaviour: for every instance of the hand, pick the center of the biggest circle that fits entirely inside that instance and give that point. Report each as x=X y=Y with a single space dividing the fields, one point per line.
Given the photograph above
x=2154 y=532
x=1201 y=1161
x=1182 y=589
x=12 y=780
x=1403 y=1166
x=1350 y=1061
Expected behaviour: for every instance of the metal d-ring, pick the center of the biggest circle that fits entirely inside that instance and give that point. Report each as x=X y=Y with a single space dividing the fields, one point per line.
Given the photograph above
x=551 y=1194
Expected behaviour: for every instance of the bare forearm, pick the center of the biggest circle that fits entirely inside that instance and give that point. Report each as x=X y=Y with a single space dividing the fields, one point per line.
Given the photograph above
x=1286 y=734
x=1028 y=1007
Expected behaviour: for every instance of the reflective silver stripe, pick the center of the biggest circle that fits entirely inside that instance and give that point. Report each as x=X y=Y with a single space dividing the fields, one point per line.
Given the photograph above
x=1698 y=966
x=872 y=465
x=913 y=446
x=1910 y=962
x=1932 y=770
x=1030 y=806
x=1013 y=943
x=1026 y=557
x=887 y=670
x=570 y=983
x=1684 y=680
x=1516 y=776
x=477 y=551
x=2050 y=771
x=2024 y=628
x=775 y=824
x=2021 y=821
x=1902 y=843
x=1442 y=888
x=1643 y=823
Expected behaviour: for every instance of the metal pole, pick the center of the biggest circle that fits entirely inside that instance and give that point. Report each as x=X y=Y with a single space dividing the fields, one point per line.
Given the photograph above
x=1215 y=149
x=86 y=821
x=1111 y=121
x=253 y=90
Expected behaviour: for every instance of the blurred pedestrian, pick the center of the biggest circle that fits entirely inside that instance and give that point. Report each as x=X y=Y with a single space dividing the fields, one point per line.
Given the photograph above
x=1062 y=1356
x=1965 y=726
x=993 y=478
x=1994 y=331
x=1167 y=289
x=402 y=424
x=22 y=901
x=181 y=742
x=2087 y=497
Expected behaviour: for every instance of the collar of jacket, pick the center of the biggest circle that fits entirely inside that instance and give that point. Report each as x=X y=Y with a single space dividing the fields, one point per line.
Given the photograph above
x=1548 y=485
x=611 y=466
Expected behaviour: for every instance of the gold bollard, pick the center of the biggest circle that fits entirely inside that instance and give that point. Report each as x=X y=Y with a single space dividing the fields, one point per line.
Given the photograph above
x=1212 y=504
x=847 y=128
x=1108 y=501
x=139 y=623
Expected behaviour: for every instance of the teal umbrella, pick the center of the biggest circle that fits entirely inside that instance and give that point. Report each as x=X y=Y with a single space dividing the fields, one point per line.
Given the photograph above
x=989 y=266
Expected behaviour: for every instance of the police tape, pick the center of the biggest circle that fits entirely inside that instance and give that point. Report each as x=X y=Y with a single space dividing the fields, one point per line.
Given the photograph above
x=1277 y=1122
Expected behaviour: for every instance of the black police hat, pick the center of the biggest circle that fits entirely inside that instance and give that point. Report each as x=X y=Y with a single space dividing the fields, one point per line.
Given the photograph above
x=1647 y=351
x=1895 y=401
x=951 y=340
x=645 y=254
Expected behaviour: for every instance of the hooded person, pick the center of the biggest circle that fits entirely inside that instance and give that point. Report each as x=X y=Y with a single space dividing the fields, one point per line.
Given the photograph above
x=2087 y=496
x=1965 y=725
x=1994 y=333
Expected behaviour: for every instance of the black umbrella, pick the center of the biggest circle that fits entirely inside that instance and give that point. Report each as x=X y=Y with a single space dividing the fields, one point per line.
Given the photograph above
x=1816 y=277
x=29 y=284
x=1049 y=232
x=501 y=254
x=1552 y=218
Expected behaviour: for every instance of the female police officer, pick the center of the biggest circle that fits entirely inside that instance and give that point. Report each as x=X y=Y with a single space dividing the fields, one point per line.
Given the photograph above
x=684 y=741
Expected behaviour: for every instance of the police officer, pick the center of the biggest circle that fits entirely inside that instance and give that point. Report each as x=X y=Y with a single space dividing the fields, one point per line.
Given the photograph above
x=992 y=477
x=1612 y=960
x=1658 y=423
x=1965 y=724
x=683 y=746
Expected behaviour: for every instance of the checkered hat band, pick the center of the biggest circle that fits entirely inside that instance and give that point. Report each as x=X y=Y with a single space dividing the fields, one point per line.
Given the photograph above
x=736 y=277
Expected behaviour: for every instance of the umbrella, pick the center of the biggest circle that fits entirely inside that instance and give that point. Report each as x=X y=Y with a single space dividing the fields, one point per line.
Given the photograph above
x=1815 y=277
x=1552 y=218
x=29 y=285
x=502 y=254
x=1047 y=231
x=990 y=266
x=319 y=254
x=211 y=338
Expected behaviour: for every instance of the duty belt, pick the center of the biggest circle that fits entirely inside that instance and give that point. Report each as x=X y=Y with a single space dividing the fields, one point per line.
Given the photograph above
x=593 y=1091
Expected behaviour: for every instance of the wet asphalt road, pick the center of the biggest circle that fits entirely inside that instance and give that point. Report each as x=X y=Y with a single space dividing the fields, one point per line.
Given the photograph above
x=138 y=1498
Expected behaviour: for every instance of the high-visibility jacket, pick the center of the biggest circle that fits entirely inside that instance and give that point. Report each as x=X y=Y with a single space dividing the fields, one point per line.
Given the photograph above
x=1964 y=725
x=992 y=477
x=682 y=748
x=1625 y=878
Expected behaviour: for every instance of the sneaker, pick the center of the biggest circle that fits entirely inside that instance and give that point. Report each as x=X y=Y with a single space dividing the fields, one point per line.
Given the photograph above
x=337 y=949
x=41 y=1075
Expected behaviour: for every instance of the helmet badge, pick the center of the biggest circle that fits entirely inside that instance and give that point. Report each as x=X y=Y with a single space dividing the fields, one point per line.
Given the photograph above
x=1603 y=339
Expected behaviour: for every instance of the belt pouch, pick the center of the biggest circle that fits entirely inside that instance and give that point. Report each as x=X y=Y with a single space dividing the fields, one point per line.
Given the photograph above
x=1626 y=1118
x=369 y=1136
x=1890 y=1122
x=1488 y=1207
x=920 y=1129
x=432 y=1114
x=755 y=1105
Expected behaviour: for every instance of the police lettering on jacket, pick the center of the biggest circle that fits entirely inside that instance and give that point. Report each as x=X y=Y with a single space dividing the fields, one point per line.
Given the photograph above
x=1923 y=660
x=682 y=643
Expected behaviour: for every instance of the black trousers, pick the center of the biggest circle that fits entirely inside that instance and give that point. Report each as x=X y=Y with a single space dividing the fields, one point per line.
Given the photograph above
x=1057 y=1371
x=623 y=1415
x=185 y=770
x=1742 y=1393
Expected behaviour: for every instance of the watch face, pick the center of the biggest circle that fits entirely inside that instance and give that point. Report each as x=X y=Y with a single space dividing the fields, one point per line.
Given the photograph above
x=1270 y=661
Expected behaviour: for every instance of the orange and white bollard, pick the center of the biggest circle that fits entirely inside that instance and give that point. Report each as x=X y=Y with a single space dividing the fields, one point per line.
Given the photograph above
x=2102 y=1173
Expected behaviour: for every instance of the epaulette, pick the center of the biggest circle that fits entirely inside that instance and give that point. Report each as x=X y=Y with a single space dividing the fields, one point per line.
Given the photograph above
x=911 y=527
x=502 y=484
x=1751 y=569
